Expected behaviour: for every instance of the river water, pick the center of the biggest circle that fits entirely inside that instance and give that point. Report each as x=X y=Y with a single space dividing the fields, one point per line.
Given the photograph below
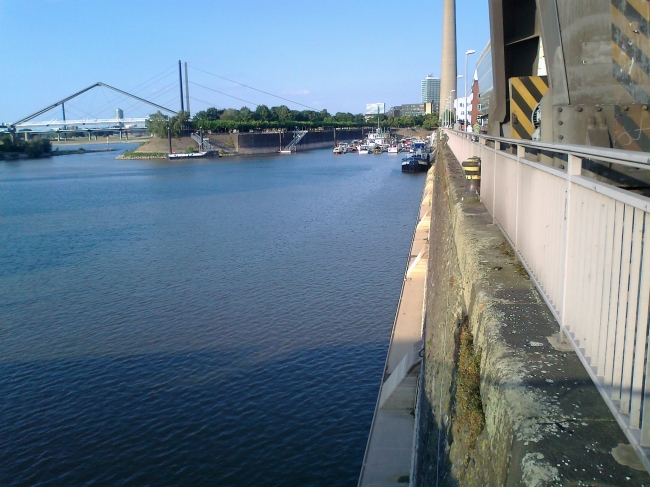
x=222 y=322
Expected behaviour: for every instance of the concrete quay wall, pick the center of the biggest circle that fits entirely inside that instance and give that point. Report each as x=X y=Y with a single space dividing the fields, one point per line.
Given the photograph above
x=271 y=142
x=539 y=420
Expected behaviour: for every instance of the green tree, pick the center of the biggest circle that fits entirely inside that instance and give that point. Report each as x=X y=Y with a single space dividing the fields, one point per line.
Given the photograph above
x=209 y=114
x=157 y=124
x=430 y=122
x=262 y=113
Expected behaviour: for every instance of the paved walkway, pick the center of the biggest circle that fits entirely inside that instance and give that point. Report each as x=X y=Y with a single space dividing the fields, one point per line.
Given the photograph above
x=390 y=445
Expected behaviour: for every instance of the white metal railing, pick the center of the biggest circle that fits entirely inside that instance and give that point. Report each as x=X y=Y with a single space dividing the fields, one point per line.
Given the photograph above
x=586 y=245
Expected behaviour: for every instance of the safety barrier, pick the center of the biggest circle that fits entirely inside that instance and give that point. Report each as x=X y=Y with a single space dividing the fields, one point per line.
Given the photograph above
x=586 y=245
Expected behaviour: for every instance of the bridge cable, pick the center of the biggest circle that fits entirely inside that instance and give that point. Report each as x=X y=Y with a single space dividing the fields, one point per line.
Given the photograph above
x=209 y=104
x=222 y=93
x=121 y=98
x=250 y=87
x=166 y=89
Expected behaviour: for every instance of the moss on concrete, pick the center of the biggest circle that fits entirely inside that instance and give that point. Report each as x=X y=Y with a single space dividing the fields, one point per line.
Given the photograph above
x=469 y=419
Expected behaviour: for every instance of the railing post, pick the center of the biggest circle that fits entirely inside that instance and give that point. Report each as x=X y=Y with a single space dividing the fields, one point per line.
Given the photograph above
x=497 y=147
x=521 y=154
x=574 y=168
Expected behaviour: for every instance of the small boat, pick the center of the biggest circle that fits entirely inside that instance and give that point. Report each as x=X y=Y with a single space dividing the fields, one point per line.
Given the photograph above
x=377 y=150
x=393 y=149
x=339 y=150
x=363 y=149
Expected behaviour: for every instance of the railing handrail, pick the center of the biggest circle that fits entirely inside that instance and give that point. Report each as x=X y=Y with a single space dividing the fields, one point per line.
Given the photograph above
x=617 y=156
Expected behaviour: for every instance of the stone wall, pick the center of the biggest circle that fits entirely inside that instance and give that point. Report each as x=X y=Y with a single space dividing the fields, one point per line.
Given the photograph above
x=540 y=420
x=270 y=142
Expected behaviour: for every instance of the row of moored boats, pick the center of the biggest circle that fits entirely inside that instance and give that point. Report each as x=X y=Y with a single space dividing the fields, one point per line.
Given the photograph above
x=419 y=151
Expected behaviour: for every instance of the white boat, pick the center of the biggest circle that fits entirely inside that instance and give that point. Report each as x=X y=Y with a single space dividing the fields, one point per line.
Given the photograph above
x=339 y=150
x=393 y=149
x=363 y=149
x=187 y=155
x=378 y=137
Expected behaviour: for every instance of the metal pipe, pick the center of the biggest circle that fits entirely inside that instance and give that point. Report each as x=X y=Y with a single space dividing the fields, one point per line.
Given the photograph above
x=467 y=54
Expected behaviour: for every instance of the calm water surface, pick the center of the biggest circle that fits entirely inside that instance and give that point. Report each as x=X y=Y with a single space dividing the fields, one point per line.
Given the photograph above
x=197 y=324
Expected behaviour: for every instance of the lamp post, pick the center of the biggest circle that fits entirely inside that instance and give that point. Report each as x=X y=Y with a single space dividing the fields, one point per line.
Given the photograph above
x=451 y=106
x=467 y=54
x=444 y=113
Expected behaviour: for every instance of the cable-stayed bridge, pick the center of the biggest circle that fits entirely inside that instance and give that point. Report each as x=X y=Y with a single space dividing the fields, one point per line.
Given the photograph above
x=97 y=108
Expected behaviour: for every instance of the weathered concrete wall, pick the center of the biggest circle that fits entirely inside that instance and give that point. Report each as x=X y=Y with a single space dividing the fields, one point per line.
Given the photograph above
x=269 y=143
x=261 y=143
x=544 y=422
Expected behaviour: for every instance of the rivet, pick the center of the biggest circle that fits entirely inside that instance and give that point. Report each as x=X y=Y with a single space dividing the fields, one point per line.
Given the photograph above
x=579 y=109
x=599 y=109
x=560 y=122
x=645 y=107
x=626 y=108
x=560 y=137
x=559 y=109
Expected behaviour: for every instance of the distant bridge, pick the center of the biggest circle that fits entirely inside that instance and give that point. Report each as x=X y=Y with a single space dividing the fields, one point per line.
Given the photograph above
x=65 y=125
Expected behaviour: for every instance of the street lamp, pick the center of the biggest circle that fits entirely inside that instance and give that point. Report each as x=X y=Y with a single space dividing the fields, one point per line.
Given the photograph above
x=467 y=54
x=451 y=105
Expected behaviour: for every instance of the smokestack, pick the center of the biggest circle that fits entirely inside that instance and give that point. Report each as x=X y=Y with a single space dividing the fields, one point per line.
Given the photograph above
x=448 y=68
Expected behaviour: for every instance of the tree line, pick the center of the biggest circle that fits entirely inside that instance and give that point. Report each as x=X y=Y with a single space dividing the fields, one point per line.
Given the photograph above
x=282 y=117
x=33 y=148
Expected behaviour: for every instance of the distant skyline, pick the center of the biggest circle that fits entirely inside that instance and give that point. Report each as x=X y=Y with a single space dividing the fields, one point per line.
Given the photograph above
x=335 y=55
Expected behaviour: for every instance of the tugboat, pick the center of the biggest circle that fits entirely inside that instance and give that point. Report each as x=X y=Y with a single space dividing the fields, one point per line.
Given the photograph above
x=417 y=162
x=414 y=164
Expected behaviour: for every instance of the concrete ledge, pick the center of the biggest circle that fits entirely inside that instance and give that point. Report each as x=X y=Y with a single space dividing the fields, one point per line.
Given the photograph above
x=545 y=422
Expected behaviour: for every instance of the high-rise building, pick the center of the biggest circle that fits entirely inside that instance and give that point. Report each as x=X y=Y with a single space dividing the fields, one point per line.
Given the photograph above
x=431 y=90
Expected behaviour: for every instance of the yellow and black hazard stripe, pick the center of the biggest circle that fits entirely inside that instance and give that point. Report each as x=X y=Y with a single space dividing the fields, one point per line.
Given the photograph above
x=472 y=168
x=631 y=47
x=525 y=94
x=631 y=62
x=632 y=128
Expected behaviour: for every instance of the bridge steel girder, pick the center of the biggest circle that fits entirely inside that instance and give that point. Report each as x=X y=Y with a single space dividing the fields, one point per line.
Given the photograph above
x=596 y=57
x=60 y=102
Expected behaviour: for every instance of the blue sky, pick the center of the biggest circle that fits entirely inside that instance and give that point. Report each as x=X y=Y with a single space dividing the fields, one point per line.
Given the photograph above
x=332 y=54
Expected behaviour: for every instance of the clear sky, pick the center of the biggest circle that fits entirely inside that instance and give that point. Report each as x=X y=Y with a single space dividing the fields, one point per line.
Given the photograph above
x=332 y=54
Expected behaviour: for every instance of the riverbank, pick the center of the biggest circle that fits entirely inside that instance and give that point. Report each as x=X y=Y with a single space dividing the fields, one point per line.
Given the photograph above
x=100 y=141
x=249 y=143
x=79 y=151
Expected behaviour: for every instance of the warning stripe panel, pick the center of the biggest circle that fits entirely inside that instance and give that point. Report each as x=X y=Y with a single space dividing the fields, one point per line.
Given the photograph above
x=635 y=71
x=631 y=47
x=632 y=129
x=525 y=94
x=635 y=11
x=623 y=34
